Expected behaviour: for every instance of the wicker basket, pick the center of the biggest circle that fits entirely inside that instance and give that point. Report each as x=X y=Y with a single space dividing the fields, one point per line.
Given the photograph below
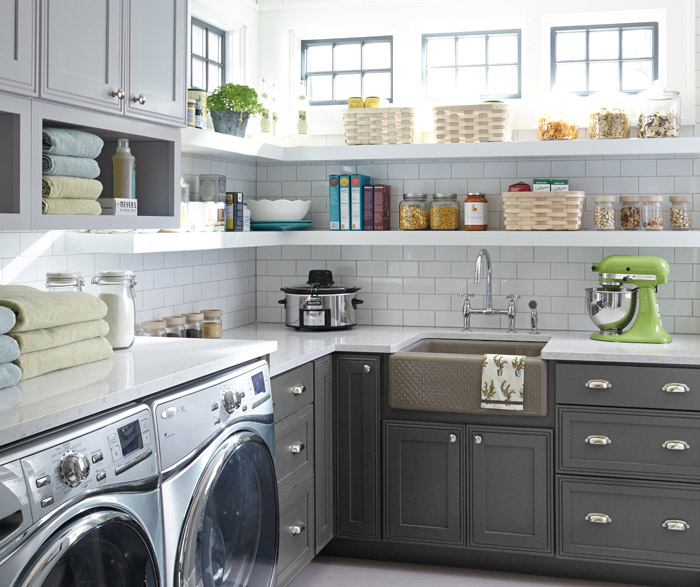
x=379 y=126
x=479 y=123
x=543 y=210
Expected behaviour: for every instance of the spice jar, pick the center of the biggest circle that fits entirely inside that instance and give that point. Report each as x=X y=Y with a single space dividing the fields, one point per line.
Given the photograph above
x=413 y=212
x=604 y=213
x=652 y=213
x=175 y=326
x=193 y=325
x=475 y=212
x=659 y=113
x=444 y=212
x=117 y=291
x=630 y=213
x=212 y=323
x=64 y=281
x=609 y=117
x=153 y=328
x=680 y=212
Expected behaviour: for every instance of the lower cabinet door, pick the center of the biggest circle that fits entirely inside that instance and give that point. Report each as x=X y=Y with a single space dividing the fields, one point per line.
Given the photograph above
x=297 y=542
x=424 y=482
x=510 y=478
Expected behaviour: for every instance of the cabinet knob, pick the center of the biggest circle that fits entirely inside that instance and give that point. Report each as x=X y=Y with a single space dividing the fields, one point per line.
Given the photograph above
x=298 y=528
x=676 y=525
x=676 y=445
x=676 y=388
x=297 y=447
x=453 y=438
x=598 y=384
x=598 y=440
x=598 y=519
x=298 y=389
x=120 y=93
x=477 y=439
x=366 y=368
x=141 y=99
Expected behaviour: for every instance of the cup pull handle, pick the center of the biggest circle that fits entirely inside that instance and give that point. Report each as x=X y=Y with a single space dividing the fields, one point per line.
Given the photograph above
x=297 y=447
x=598 y=384
x=676 y=388
x=298 y=528
x=598 y=440
x=676 y=445
x=676 y=525
x=598 y=518
x=298 y=389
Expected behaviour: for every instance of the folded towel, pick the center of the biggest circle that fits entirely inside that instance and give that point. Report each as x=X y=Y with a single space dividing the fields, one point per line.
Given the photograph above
x=9 y=349
x=9 y=398
x=36 y=309
x=61 y=207
x=62 y=357
x=73 y=166
x=49 y=338
x=7 y=319
x=502 y=379
x=10 y=374
x=74 y=143
x=60 y=384
x=64 y=186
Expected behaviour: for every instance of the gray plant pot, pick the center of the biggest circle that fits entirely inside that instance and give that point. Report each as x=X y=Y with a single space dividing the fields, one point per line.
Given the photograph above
x=230 y=123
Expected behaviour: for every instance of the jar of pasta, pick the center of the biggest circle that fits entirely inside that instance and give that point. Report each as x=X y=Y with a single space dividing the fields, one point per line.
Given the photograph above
x=558 y=117
x=414 y=212
x=444 y=212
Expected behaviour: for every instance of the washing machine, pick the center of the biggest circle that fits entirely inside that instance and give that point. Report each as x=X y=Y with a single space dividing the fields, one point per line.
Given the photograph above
x=81 y=506
x=219 y=489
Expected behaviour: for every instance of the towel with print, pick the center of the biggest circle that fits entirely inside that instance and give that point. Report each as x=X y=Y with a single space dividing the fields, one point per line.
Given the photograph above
x=502 y=379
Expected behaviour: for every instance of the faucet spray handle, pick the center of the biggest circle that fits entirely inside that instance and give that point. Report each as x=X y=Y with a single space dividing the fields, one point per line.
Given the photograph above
x=532 y=304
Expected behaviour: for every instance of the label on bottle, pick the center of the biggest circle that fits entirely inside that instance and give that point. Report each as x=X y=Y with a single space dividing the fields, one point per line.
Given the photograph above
x=265 y=121
x=475 y=213
x=302 y=124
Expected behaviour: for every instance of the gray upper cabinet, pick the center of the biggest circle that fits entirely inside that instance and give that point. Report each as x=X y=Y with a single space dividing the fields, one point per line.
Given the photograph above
x=18 y=21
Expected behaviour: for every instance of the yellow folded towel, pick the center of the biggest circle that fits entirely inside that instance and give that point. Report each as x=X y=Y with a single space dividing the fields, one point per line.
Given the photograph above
x=63 y=186
x=68 y=355
x=59 y=384
x=66 y=206
x=49 y=338
x=35 y=309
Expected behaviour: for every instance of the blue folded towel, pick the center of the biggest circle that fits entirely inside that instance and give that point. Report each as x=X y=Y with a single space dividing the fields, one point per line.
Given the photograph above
x=10 y=374
x=73 y=166
x=70 y=142
x=9 y=349
x=9 y=398
x=7 y=319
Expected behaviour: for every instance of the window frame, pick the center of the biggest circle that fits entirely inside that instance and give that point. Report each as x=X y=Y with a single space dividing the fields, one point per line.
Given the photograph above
x=208 y=28
x=487 y=33
x=305 y=44
x=612 y=26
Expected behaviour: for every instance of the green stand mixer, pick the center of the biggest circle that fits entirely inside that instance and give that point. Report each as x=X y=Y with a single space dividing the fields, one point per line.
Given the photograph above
x=624 y=280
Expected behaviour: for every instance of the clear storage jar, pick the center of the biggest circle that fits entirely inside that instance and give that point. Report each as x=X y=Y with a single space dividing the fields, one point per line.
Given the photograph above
x=414 y=212
x=116 y=290
x=630 y=213
x=153 y=328
x=64 y=281
x=680 y=212
x=558 y=117
x=609 y=116
x=604 y=213
x=444 y=212
x=659 y=113
x=174 y=326
x=652 y=213
x=193 y=324
x=212 y=325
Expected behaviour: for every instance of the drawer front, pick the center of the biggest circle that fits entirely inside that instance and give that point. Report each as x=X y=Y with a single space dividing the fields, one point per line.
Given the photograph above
x=297 y=541
x=650 y=523
x=663 y=445
x=292 y=391
x=595 y=384
x=294 y=447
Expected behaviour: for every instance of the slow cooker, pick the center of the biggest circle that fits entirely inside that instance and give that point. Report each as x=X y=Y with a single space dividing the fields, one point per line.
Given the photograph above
x=320 y=304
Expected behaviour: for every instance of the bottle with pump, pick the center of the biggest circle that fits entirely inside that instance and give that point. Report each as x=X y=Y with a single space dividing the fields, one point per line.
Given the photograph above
x=124 y=171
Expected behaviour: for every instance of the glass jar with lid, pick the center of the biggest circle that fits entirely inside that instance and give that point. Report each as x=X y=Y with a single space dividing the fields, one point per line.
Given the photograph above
x=444 y=212
x=193 y=324
x=174 y=326
x=414 y=212
x=64 y=281
x=604 y=213
x=630 y=212
x=652 y=213
x=153 y=328
x=558 y=117
x=475 y=211
x=116 y=290
x=659 y=113
x=212 y=325
x=609 y=116
x=680 y=212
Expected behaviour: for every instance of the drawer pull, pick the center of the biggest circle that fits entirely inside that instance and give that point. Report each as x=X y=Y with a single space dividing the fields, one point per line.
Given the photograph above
x=598 y=384
x=297 y=447
x=477 y=439
x=676 y=388
x=598 y=519
x=453 y=438
x=366 y=368
x=298 y=389
x=598 y=440
x=676 y=445
x=298 y=528
x=677 y=525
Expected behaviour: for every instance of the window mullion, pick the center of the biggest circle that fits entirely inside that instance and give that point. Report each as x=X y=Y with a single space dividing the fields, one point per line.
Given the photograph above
x=619 y=54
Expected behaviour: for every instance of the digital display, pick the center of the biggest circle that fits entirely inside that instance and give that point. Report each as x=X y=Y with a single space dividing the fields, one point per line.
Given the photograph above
x=130 y=437
x=259 y=383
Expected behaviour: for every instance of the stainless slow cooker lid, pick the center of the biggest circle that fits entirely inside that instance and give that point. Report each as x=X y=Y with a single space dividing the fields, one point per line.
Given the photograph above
x=320 y=282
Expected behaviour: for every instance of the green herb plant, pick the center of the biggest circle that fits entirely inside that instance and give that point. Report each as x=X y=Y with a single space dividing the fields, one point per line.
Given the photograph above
x=235 y=98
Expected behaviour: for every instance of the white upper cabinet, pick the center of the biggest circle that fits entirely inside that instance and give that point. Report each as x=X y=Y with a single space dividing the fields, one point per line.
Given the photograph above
x=18 y=20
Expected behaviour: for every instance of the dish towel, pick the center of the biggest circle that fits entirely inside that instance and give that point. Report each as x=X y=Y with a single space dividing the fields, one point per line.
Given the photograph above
x=9 y=349
x=49 y=338
x=74 y=143
x=10 y=374
x=63 y=186
x=502 y=379
x=66 y=206
x=7 y=319
x=73 y=166
x=68 y=355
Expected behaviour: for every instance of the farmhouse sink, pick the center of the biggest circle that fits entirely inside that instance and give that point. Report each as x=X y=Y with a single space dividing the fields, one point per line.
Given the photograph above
x=475 y=347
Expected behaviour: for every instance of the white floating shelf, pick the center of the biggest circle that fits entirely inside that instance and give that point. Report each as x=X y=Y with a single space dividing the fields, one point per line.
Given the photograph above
x=204 y=143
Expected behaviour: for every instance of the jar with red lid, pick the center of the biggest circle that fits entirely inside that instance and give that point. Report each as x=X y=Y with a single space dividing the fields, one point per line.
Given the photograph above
x=475 y=212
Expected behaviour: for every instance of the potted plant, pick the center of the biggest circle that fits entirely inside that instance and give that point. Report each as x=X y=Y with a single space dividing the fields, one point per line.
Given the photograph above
x=231 y=105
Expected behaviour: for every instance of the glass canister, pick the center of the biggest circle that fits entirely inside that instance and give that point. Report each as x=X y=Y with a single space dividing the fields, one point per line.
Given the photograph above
x=604 y=213
x=117 y=291
x=64 y=281
x=212 y=324
x=174 y=326
x=193 y=325
x=475 y=211
x=659 y=113
x=444 y=212
x=680 y=212
x=630 y=212
x=414 y=212
x=153 y=328
x=652 y=213
x=609 y=116
x=558 y=118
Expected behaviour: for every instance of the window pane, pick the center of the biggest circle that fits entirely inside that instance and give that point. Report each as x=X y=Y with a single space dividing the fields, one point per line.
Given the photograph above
x=214 y=47
x=471 y=82
x=347 y=57
x=319 y=58
x=603 y=76
x=198 y=80
x=440 y=51
x=198 y=41
x=503 y=79
x=348 y=85
x=503 y=49
x=571 y=77
x=440 y=82
x=603 y=45
x=637 y=43
x=320 y=88
x=214 y=80
x=471 y=50
x=376 y=56
x=571 y=46
x=377 y=84
x=636 y=75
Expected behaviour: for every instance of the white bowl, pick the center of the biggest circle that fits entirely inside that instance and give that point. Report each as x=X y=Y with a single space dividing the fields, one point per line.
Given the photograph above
x=278 y=210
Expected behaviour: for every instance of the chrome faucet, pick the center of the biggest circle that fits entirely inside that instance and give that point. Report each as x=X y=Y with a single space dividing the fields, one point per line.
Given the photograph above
x=484 y=254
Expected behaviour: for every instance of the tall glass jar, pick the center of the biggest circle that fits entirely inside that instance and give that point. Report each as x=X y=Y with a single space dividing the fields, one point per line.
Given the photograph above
x=680 y=212
x=117 y=292
x=413 y=212
x=64 y=281
x=174 y=326
x=630 y=213
x=604 y=213
x=659 y=113
x=153 y=328
x=444 y=212
x=212 y=325
x=558 y=117
x=609 y=116
x=652 y=213
x=193 y=324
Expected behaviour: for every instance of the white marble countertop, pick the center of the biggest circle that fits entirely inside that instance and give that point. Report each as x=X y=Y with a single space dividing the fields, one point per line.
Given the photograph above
x=151 y=365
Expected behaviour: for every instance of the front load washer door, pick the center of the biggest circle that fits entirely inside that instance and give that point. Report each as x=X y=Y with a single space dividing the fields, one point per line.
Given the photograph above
x=103 y=548
x=230 y=534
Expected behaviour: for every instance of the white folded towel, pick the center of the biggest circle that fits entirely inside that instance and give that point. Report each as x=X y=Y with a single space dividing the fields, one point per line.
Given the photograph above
x=502 y=379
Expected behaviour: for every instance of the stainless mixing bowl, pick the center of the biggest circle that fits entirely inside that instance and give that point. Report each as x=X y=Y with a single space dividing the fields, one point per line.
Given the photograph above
x=611 y=310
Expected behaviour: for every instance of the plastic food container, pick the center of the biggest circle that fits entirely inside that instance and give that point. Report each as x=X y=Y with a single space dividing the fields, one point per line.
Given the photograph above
x=609 y=116
x=680 y=212
x=444 y=212
x=414 y=212
x=659 y=113
x=652 y=213
x=630 y=213
x=604 y=213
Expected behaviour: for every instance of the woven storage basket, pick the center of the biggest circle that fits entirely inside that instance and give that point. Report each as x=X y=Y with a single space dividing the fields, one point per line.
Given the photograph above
x=478 y=123
x=543 y=210
x=378 y=126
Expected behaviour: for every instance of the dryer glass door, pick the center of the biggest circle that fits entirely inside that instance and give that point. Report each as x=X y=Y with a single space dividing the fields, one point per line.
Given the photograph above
x=230 y=534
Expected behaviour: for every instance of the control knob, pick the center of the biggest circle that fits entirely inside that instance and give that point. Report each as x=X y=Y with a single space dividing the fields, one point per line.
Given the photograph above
x=74 y=468
x=232 y=400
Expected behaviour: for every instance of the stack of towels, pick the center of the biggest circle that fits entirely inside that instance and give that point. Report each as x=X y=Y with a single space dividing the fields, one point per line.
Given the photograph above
x=68 y=184
x=52 y=330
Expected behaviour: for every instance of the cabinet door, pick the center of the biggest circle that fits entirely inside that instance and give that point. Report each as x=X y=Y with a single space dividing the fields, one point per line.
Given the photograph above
x=424 y=482
x=157 y=59
x=510 y=474
x=18 y=47
x=357 y=446
x=82 y=53
x=323 y=428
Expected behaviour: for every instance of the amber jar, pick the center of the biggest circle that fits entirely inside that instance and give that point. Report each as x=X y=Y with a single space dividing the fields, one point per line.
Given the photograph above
x=475 y=212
